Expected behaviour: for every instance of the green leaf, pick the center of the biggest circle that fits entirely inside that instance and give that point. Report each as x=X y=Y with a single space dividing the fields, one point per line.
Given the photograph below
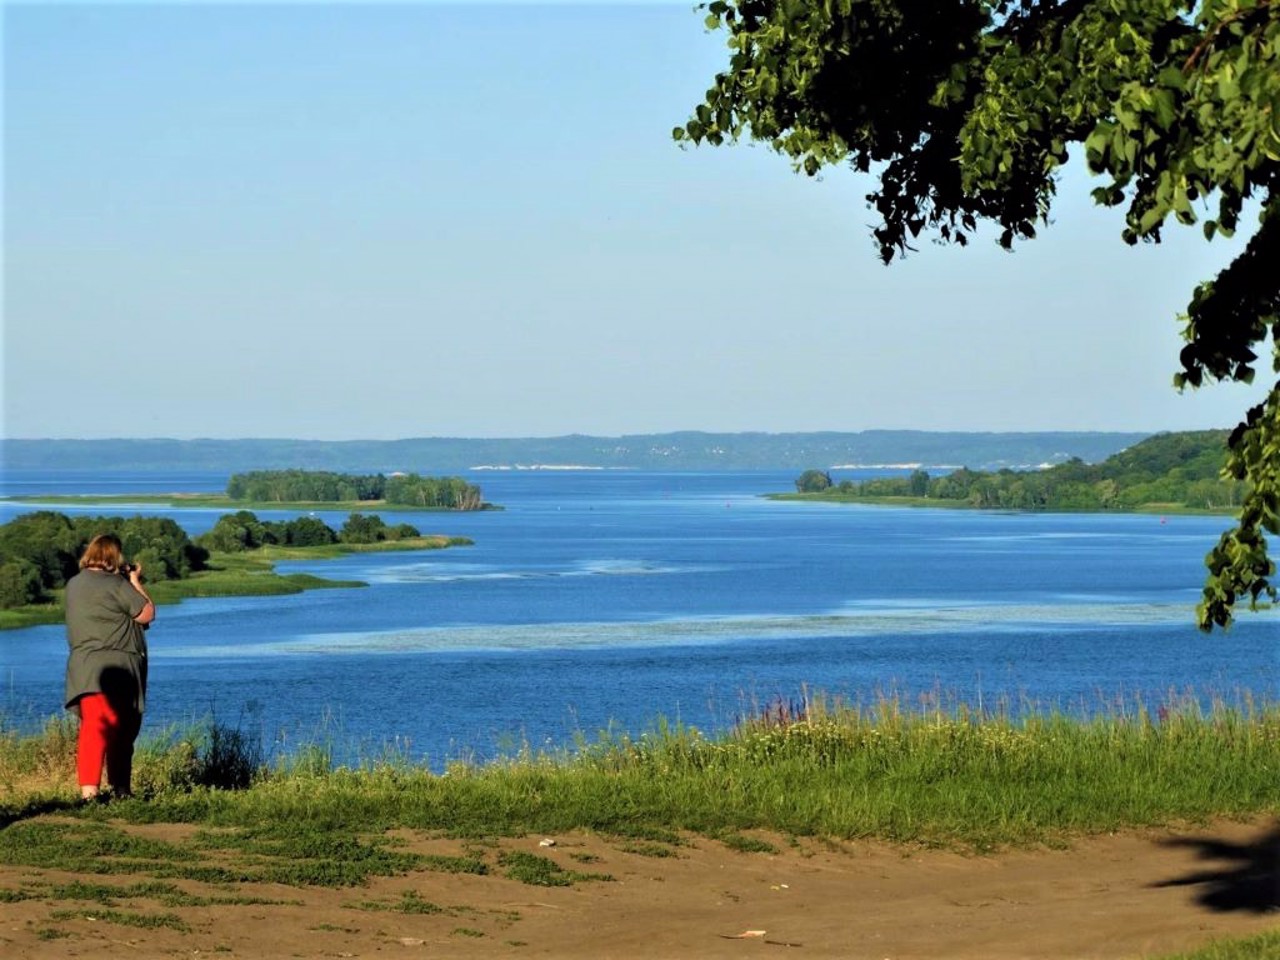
x=1163 y=106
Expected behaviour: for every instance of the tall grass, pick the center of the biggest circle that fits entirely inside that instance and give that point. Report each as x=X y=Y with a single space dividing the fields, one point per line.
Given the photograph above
x=814 y=769
x=41 y=766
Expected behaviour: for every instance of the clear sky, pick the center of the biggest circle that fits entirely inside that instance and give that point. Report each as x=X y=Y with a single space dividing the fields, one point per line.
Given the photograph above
x=358 y=221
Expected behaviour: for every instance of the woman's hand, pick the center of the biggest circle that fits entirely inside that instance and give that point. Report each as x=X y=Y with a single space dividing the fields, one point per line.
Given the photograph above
x=148 y=612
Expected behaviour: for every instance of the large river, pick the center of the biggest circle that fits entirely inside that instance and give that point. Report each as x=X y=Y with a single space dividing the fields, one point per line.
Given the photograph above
x=610 y=599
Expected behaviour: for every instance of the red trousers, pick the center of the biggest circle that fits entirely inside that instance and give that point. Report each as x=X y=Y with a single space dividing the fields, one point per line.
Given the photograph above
x=107 y=733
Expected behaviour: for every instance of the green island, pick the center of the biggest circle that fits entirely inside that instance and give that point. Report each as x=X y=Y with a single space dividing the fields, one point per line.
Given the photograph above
x=306 y=490
x=1167 y=473
x=40 y=551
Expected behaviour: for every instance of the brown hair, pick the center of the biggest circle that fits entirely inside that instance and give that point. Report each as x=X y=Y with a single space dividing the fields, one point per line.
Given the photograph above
x=104 y=552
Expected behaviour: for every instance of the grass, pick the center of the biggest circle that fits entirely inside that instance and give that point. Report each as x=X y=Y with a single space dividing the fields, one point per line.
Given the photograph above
x=910 y=776
x=953 y=778
x=410 y=902
x=744 y=844
x=1265 y=946
x=147 y=921
x=643 y=849
x=541 y=871
x=166 y=894
x=31 y=615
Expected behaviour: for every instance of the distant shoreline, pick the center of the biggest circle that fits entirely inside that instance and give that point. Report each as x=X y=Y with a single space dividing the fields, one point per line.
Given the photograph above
x=940 y=504
x=679 y=450
x=539 y=466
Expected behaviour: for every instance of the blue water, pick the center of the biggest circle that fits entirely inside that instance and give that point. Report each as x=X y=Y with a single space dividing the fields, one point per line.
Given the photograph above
x=607 y=599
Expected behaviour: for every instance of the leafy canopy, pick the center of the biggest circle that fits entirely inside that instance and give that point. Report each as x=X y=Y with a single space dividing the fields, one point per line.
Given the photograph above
x=965 y=110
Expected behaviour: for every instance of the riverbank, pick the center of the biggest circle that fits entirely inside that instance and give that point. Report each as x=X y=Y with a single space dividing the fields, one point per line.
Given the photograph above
x=248 y=574
x=845 y=833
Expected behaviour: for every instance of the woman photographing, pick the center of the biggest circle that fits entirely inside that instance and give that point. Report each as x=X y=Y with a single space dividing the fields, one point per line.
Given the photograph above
x=107 y=611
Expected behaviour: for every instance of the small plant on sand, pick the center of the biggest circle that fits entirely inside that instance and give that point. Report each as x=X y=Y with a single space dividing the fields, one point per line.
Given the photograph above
x=410 y=902
x=541 y=871
x=125 y=918
x=745 y=844
x=648 y=849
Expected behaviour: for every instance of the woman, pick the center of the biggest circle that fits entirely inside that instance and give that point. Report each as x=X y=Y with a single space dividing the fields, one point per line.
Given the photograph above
x=107 y=611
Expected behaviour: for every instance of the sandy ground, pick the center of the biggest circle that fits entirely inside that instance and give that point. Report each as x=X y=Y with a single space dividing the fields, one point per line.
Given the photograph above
x=1119 y=896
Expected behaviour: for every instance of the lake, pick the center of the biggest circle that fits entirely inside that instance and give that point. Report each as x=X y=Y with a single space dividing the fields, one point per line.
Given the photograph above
x=605 y=600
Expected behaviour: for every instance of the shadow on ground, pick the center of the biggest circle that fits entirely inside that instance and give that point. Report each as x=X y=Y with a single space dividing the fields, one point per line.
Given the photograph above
x=1245 y=876
x=36 y=808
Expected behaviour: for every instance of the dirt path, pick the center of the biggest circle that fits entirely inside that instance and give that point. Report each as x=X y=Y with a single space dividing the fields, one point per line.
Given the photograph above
x=1123 y=896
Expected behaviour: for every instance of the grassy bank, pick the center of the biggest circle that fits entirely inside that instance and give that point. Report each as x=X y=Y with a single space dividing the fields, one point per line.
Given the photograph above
x=979 y=783
x=247 y=574
x=803 y=780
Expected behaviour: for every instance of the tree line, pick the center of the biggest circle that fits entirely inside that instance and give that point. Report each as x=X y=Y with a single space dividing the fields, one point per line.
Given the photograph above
x=1179 y=469
x=240 y=531
x=40 y=552
x=322 y=486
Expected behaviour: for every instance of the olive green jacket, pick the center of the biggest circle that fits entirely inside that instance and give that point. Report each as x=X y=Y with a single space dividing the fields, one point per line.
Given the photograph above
x=108 y=648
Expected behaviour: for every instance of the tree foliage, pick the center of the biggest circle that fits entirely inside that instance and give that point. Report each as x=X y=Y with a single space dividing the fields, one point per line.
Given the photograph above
x=966 y=109
x=362 y=529
x=321 y=486
x=813 y=481
x=450 y=493
x=242 y=530
x=1168 y=470
x=40 y=552
x=304 y=485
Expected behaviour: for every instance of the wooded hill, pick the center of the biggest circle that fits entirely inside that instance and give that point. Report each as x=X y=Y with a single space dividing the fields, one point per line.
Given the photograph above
x=1169 y=470
x=684 y=450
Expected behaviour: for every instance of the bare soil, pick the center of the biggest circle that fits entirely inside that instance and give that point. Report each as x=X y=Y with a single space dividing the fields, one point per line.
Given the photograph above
x=1119 y=896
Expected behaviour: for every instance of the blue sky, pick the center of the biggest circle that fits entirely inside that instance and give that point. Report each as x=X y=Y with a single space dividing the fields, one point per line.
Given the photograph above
x=378 y=221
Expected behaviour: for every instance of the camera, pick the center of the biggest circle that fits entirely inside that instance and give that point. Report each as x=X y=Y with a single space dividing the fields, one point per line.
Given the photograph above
x=126 y=568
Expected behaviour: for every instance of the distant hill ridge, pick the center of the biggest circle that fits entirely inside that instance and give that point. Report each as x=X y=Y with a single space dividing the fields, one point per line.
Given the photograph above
x=685 y=450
